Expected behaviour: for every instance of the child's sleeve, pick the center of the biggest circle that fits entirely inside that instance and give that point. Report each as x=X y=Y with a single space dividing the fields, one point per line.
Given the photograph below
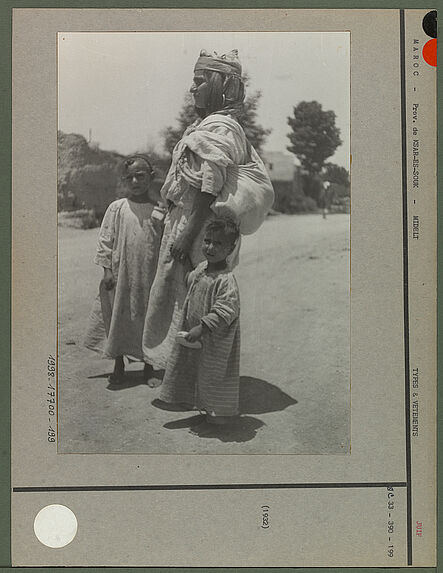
x=192 y=273
x=106 y=236
x=226 y=306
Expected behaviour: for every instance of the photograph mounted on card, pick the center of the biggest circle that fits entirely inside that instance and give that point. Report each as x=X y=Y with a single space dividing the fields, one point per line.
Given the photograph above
x=224 y=288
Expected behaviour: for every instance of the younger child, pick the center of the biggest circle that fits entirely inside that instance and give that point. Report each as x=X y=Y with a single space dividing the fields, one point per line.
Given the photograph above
x=127 y=249
x=208 y=378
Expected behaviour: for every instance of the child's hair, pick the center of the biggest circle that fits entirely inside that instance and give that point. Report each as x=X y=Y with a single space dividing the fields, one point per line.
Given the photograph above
x=133 y=158
x=226 y=226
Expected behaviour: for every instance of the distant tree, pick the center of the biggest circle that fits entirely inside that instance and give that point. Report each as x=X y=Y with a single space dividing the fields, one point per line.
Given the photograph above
x=314 y=136
x=159 y=161
x=255 y=132
x=186 y=117
x=338 y=177
x=311 y=184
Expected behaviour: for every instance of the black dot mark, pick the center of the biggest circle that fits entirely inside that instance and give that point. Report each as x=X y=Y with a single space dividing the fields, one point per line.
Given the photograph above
x=430 y=23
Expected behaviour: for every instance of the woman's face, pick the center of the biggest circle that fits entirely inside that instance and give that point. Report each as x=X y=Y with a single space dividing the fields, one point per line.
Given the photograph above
x=200 y=90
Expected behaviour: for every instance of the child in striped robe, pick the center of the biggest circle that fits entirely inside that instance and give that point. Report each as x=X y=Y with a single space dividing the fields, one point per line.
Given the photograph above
x=208 y=378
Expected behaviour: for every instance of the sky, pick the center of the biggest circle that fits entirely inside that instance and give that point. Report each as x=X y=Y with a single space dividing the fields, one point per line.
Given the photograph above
x=126 y=87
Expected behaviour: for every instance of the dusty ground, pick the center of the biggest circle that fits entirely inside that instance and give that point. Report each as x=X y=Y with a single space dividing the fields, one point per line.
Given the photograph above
x=294 y=282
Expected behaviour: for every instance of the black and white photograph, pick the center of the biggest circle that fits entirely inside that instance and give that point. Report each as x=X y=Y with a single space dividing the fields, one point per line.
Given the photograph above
x=204 y=200
x=223 y=305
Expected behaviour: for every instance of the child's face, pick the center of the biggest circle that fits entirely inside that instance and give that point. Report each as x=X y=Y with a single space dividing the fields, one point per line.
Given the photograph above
x=216 y=246
x=137 y=177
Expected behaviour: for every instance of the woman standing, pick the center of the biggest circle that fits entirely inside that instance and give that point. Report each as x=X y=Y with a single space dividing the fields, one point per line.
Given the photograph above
x=200 y=165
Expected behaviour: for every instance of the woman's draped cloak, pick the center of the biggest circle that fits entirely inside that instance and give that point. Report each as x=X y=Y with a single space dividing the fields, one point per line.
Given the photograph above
x=199 y=165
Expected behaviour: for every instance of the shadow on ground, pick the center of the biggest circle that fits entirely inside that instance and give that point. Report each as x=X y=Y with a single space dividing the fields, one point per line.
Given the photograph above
x=241 y=429
x=131 y=379
x=256 y=397
x=260 y=397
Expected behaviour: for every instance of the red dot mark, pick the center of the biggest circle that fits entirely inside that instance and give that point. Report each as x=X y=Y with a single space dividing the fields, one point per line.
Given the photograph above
x=430 y=52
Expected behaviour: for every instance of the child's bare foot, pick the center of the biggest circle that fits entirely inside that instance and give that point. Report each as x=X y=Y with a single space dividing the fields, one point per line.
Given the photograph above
x=154 y=382
x=147 y=371
x=148 y=376
x=117 y=377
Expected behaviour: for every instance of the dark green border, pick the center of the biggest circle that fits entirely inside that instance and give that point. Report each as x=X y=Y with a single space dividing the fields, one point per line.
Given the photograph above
x=6 y=7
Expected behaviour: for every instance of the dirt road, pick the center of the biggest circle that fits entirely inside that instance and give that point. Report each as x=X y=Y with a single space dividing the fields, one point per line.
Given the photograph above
x=295 y=398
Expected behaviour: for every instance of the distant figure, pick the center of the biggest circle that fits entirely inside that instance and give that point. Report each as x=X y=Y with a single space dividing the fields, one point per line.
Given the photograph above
x=325 y=198
x=208 y=378
x=127 y=249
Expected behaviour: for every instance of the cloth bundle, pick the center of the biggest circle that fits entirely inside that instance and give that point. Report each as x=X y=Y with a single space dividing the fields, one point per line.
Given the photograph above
x=247 y=194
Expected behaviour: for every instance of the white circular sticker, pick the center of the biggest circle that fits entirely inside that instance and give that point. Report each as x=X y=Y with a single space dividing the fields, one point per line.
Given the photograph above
x=55 y=525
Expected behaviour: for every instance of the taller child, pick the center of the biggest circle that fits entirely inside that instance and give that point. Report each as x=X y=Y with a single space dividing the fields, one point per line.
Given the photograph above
x=127 y=249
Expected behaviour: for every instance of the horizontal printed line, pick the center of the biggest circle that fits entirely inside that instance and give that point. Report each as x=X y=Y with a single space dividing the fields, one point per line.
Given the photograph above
x=203 y=487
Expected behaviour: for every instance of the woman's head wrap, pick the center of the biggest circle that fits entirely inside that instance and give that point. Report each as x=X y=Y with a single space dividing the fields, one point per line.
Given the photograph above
x=227 y=64
x=227 y=90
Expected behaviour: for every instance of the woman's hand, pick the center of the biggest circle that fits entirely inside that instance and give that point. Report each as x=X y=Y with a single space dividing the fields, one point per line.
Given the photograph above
x=201 y=209
x=195 y=333
x=108 y=279
x=182 y=246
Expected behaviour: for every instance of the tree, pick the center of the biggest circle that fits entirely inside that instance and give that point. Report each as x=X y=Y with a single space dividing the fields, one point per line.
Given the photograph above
x=256 y=133
x=187 y=115
x=338 y=178
x=314 y=136
x=336 y=174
